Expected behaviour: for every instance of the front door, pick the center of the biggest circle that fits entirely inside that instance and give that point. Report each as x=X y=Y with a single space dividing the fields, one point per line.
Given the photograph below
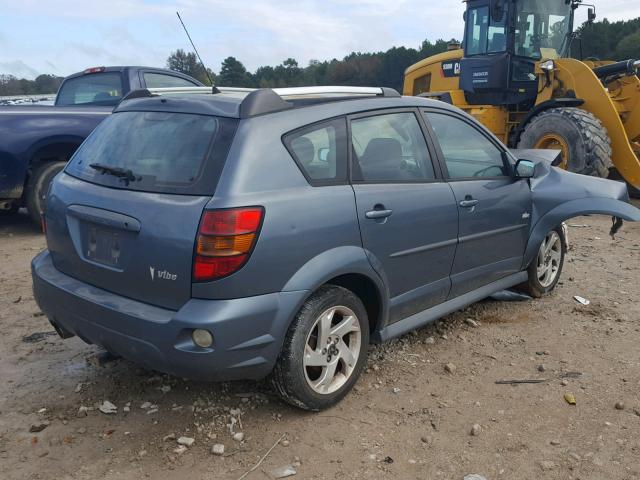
x=494 y=207
x=407 y=214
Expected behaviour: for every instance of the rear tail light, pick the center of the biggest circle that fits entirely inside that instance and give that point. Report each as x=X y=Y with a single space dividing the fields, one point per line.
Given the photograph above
x=94 y=70
x=225 y=241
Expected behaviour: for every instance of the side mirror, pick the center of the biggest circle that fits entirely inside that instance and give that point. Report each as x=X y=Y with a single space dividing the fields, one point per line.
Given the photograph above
x=323 y=154
x=591 y=15
x=525 y=169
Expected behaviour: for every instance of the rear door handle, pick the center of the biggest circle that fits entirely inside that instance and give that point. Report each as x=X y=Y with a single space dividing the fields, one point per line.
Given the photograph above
x=377 y=214
x=469 y=203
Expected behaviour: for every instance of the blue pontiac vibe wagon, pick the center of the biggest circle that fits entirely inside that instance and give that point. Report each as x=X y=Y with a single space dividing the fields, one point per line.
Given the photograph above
x=240 y=234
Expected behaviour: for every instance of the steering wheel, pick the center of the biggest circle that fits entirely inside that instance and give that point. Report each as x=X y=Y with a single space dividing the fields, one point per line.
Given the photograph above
x=481 y=173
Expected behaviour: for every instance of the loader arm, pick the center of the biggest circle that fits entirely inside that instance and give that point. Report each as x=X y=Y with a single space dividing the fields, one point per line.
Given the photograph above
x=618 y=109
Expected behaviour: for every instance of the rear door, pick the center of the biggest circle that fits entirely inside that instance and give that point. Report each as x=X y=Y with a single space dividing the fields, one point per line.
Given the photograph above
x=408 y=216
x=494 y=207
x=124 y=216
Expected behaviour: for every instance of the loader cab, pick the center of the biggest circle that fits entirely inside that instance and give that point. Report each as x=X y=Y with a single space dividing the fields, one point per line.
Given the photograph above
x=503 y=41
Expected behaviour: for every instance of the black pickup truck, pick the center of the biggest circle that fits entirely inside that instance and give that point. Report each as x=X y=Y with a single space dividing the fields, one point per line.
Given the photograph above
x=36 y=141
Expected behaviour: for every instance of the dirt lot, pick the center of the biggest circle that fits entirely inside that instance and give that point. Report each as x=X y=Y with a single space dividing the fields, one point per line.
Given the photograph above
x=409 y=418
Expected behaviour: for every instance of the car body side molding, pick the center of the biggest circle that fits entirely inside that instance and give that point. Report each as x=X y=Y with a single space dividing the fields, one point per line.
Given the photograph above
x=427 y=316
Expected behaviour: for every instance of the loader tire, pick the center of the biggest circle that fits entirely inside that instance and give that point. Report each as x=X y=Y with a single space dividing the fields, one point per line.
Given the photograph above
x=580 y=135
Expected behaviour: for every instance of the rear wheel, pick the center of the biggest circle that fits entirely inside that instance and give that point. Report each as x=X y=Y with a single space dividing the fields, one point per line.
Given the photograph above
x=581 y=137
x=37 y=187
x=545 y=270
x=324 y=351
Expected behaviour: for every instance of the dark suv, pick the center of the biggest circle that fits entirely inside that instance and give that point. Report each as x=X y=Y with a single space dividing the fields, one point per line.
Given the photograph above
x=242 y=234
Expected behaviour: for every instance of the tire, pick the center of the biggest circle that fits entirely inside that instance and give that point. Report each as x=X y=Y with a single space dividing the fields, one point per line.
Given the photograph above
x=299 y=368
x=11 y=211
x=38 y=186
x=585 y=138
x=538 y=285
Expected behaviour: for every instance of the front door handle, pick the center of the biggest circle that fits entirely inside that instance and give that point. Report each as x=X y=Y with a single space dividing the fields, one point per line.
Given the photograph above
x=469 y=203
x=378 y=214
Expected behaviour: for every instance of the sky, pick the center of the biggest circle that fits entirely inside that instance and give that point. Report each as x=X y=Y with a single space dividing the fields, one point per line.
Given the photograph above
x=65 y=36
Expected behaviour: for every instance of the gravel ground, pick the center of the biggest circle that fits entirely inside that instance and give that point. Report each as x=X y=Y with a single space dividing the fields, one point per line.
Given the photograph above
x=427 y=407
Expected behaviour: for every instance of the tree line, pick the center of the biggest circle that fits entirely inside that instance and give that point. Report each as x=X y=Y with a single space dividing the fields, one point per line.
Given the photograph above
x=43 y=84
x=602 y=40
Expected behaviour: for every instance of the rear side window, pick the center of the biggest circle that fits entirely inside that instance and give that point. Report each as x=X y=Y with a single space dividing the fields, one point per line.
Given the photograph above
x=320 y=151
x=91 y=89
x=159 y=80
x=156 y=152
x=390 y=148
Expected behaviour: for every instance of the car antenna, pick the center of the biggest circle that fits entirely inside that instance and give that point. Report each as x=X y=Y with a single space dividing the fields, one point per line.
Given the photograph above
x=215 y=90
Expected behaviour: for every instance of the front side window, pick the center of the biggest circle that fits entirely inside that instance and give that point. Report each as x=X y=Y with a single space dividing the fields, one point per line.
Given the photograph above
x=159 y=80
x=485 y=35
x=320 y=151
x=91 y=89
x=390 y=148
x=467 y=152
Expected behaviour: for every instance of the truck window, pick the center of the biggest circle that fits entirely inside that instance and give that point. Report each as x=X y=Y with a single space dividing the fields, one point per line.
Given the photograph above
x=91 y=89
x=484 y=35
x=159 y=80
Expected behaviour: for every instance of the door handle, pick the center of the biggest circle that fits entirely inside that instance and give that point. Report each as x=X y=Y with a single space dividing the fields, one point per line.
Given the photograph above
x=469 y=203
x=378 y=214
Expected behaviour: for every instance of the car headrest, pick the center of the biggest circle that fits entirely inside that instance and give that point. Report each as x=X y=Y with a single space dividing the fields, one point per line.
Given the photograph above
x=304 y=149
x=382 y=151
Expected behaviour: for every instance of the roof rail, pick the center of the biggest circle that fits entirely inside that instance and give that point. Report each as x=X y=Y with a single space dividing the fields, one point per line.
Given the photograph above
x=259 y=101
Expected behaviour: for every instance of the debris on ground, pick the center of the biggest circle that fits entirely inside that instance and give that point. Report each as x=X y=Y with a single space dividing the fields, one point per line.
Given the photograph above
x=619 y=405
x=570 y=398
x=38 y=427
x=284 y=472
x=108 y=408
x=476 y=430
x=186 y=441
x=450 y=368
x=38 y=337
x=581 y=300
x=474 y=476
x=218 y=449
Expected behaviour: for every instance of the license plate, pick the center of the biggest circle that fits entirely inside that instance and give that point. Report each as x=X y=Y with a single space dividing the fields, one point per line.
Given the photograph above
x=103 y=246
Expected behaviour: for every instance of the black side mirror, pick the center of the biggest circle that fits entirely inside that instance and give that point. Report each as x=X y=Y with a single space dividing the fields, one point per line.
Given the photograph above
x=591 y=15
x=525 y=169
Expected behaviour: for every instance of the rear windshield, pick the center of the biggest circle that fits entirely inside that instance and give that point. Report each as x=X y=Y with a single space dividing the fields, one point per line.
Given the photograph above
x=155 y=152
x=91 y=89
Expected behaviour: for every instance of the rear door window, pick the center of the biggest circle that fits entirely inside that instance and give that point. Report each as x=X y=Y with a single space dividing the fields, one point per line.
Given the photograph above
x=160 y=80
x=156 y=152
x=91 y=89
x=390 y=148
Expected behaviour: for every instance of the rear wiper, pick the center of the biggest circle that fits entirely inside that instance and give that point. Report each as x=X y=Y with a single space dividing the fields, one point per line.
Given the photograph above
x=124 y=174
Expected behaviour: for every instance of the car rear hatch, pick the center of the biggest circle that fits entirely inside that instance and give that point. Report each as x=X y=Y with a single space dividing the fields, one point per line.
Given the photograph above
x=124 y=216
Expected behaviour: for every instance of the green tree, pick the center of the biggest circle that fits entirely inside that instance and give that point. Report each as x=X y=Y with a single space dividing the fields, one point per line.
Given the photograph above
x=188 y=63
x=629 y=47
x=233 y=74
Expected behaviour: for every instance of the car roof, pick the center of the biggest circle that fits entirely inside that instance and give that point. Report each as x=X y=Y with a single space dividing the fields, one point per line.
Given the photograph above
x=246 y=103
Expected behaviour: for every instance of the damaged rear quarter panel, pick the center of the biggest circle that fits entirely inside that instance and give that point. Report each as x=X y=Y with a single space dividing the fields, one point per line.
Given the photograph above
x=558 y=195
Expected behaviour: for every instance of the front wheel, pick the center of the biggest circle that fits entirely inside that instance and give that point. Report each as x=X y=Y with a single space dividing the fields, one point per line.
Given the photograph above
x=324 y=351
x=545 y=270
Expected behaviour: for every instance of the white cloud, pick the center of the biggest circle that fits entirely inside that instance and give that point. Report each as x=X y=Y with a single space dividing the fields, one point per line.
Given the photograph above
x=74 y=34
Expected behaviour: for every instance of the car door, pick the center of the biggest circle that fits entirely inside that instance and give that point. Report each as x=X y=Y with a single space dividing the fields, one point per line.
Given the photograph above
x=407 y=214
x=494 y=207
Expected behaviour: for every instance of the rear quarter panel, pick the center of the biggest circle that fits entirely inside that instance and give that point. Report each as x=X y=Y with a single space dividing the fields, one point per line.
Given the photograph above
x=302 y=223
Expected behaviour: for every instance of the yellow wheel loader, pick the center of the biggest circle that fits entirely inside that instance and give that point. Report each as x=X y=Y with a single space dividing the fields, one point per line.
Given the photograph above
x=515 y=76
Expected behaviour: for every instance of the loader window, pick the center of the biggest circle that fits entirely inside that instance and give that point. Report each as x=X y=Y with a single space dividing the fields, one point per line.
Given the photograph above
x=483 y=34
x=542 y=27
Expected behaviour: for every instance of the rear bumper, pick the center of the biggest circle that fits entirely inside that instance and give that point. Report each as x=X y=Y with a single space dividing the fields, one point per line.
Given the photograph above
x=248 y=332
